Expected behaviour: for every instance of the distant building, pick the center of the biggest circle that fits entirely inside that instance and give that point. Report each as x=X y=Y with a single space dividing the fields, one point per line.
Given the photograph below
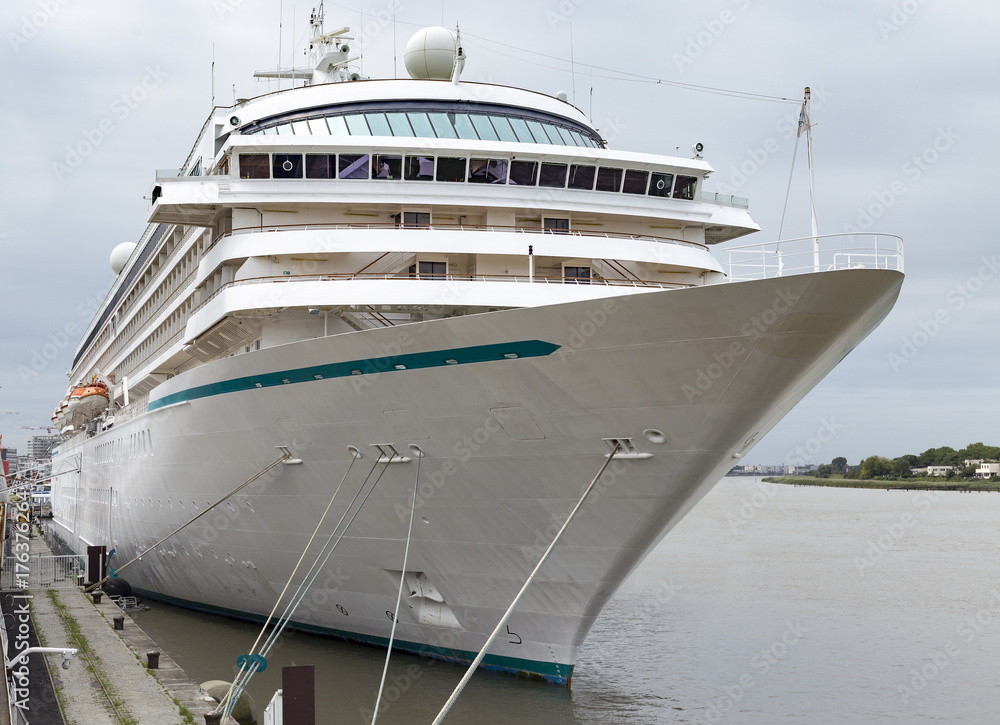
x=988 y=469
x=973 y=462
x=40 y=447
x=939 y=470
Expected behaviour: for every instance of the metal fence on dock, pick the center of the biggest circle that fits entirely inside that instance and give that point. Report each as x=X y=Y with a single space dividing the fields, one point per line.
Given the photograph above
x=41 y=572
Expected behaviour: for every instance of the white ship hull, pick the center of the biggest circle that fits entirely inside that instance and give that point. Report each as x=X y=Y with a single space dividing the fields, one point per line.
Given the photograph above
x=510 y=445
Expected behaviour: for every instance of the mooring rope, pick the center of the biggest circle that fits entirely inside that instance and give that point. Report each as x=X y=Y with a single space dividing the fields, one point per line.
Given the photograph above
x=399 y=594
x=304 y=552
x=251 y=663
x=531 y=577
x=284 y=457
x=225 y=700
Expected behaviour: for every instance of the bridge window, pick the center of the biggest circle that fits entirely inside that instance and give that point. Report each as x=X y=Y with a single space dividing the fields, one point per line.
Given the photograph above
x=321 y=166
x=286 y=166
x=463 y=126
x=582 y=177
x=635 y=181
x=484 y=127
x=255 y=166
x=684 y=187
x=488 y=171
x=377 y=124
x=442 y=125
x=386 y=166
x=420 y=168
x=421 y=125
x=502 y=125
x=399 y=125
x=609 y=179
x=660 y=183
x=357 y=125
x=553 y=175
x=524 y=173
x=353 y=166
x=450 y=169
x=337 y=126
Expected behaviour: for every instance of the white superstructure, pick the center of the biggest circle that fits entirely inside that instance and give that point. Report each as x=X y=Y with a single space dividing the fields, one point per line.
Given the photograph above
x=453 y=273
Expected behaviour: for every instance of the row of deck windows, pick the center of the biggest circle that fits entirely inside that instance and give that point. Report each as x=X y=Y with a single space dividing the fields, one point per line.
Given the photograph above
x=462 y=169
x=418 y=124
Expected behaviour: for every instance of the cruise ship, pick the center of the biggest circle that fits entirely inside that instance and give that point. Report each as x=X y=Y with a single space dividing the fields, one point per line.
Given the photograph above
x=444 y=284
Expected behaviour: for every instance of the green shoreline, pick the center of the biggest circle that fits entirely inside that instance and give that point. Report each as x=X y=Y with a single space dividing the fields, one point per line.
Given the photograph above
x=910 y=484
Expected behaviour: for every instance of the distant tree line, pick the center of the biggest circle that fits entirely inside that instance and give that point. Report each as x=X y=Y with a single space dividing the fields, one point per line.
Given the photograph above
x=875 y=467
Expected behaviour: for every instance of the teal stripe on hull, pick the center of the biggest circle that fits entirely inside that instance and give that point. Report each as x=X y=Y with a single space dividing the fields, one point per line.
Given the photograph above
x=553 y=672
x=369 y=366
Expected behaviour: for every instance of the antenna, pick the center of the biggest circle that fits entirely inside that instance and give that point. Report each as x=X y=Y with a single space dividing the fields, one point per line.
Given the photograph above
x=281 y=15
x=591 y=114
x=213 y=75
x=395 y=74
x=572 y=67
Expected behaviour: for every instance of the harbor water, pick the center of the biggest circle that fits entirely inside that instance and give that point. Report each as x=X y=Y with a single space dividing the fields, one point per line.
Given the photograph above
x=767 y=604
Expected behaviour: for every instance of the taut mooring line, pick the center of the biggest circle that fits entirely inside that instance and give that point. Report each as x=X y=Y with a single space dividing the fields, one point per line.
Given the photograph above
x=503 y=620
x=114 y=572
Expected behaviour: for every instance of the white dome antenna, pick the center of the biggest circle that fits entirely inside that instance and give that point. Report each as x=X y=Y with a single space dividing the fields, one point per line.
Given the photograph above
x=120 y=255
x=431 y=53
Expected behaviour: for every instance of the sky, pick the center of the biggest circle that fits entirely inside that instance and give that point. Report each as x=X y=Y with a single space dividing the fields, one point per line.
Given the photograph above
x=96 y=95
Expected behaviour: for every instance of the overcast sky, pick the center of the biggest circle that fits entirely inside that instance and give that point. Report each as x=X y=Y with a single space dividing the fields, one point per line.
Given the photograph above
x=96 y=95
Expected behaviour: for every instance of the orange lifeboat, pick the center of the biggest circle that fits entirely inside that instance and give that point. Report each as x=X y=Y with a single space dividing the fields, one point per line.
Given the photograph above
x=92 y=399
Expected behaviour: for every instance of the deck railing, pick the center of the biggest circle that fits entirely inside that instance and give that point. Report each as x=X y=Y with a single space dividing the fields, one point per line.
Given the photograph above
x=332 y=226
x=813 y=254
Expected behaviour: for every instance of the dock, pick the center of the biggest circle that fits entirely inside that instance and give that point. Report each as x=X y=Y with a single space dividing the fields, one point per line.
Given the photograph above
x=108 y=681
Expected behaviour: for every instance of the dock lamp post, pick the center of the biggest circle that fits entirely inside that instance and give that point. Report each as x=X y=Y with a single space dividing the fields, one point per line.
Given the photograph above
x=67 y=654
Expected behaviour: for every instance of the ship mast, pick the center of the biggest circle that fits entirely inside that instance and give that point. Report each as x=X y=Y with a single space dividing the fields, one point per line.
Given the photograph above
x=804 y=124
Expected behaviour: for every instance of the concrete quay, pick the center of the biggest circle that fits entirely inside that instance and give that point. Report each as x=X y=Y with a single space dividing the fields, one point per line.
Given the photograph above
x=108 y=680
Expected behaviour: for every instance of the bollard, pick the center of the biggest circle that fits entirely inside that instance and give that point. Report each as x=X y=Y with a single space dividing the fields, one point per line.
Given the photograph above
x=97 y=596
x=213 y=718
x=152 y=659
x=119 y=622
x=79 y=580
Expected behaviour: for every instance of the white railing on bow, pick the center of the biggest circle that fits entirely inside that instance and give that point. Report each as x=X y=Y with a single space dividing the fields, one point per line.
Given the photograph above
x=804 y=255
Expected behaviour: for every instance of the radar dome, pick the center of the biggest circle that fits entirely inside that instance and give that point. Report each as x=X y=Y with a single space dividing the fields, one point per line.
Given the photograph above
x=120 y=255
x=430 y=53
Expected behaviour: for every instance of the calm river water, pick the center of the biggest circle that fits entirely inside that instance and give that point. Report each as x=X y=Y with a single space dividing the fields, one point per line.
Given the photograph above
x=767 y=604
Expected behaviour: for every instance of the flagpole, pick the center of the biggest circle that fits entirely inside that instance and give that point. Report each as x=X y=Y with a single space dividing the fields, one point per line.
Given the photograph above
x=812 y=184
